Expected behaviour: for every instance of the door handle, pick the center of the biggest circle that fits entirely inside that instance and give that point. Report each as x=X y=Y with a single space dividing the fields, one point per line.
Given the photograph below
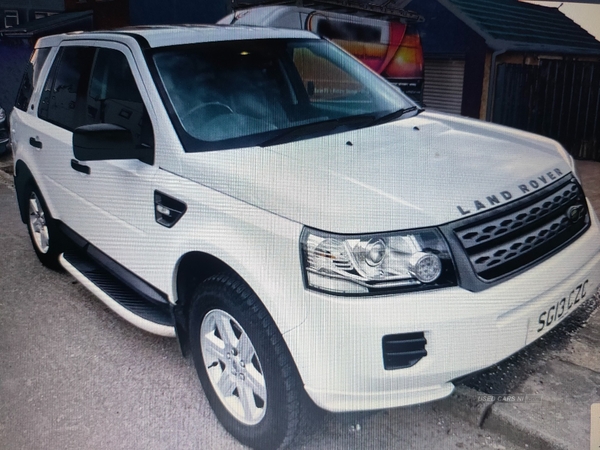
x=35 y=143
x=76 y=165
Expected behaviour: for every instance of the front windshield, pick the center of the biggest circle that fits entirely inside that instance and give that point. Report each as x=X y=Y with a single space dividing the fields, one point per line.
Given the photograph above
x=240 y=93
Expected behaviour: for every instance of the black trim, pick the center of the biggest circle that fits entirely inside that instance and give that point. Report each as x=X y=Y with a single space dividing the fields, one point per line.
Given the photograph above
x=130 y=279
x=401 y=351
x=113 y=287
x=35 y=142
x=141 y=41
x=76 y=165
x=21 y=177
x=172 y=209
x=182 y=332
x=72 y=236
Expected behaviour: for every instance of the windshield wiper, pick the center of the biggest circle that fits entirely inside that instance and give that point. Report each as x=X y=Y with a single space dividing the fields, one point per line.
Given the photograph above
x=314 y=129
x=396 y=114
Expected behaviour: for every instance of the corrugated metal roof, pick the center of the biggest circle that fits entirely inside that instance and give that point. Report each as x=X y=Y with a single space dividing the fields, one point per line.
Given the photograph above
x=512 y=25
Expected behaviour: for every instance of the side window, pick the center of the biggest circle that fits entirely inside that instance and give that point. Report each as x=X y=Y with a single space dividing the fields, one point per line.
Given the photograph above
x=30 y=77
x=114 y=98
x=348 y=31
x=63 y=100
x=11 y=18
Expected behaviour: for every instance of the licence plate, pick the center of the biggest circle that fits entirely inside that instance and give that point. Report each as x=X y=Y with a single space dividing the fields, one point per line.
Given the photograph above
x=555 y=313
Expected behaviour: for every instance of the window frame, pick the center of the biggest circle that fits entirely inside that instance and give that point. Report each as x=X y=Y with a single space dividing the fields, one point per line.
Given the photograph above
x=11 y=14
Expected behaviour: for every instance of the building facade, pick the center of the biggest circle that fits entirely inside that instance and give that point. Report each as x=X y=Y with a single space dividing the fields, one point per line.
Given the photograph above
x=516 y=64
x=107 y=13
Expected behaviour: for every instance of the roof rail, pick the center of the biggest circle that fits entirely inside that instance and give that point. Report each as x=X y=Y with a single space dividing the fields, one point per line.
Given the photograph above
x=381 y=9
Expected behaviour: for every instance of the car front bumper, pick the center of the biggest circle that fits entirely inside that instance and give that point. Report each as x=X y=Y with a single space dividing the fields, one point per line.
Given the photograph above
x=338 y=348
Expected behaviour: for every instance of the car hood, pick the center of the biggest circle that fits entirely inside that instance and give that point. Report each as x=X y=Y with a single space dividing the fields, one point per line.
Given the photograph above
x=420 y=171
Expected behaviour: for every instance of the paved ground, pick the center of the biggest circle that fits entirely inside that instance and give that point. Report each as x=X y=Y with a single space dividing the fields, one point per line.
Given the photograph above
x=73 y=375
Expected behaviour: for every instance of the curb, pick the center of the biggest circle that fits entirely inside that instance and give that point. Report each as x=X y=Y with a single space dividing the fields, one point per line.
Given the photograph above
x=471 y=405
x=502 y=422
x=466 y=403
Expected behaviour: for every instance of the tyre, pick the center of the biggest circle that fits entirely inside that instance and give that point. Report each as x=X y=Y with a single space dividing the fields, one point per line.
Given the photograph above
x=244 y=365
x=43 y=231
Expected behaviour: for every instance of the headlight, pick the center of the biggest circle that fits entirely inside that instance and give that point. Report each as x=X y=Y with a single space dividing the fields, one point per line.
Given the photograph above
x=376 y=263
x=574 y=167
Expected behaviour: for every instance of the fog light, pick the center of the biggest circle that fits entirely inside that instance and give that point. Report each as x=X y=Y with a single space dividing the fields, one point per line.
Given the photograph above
x=425 y=267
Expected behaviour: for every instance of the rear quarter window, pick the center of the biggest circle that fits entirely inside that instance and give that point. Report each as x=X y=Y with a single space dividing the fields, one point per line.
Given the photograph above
x=30 y=77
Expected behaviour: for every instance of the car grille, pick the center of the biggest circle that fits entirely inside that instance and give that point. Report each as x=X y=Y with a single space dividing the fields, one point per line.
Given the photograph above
x=519 y=235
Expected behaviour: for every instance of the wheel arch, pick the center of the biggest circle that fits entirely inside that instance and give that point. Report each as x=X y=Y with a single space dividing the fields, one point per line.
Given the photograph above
x=22 y=177
x=193 y=268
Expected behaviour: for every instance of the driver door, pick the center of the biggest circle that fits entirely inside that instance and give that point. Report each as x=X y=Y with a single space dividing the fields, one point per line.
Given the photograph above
x=111 y=202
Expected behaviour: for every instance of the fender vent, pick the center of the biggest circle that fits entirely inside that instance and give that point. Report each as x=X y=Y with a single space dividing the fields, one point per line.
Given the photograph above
x=401 y=351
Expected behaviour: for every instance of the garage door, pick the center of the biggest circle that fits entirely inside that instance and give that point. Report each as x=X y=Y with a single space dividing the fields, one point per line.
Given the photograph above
x=444 y=84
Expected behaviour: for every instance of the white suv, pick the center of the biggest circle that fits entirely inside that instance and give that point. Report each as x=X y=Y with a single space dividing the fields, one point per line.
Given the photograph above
x=304 y=229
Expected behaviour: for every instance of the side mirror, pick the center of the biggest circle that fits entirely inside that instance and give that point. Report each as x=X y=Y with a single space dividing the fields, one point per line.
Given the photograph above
x=105 y=141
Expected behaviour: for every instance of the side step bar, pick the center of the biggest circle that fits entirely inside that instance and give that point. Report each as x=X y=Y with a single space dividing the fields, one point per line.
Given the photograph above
x=117 y=296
